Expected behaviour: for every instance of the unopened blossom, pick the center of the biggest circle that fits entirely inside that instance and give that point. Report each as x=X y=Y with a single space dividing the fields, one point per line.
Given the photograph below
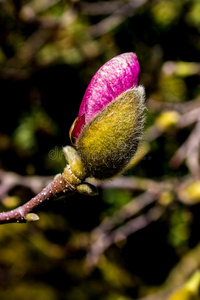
x=108 y=128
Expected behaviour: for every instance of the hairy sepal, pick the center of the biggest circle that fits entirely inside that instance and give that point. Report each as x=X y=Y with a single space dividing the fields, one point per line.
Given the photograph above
x=108 y=142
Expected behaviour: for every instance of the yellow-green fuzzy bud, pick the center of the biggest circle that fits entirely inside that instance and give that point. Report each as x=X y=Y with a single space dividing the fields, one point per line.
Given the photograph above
x=108 y=142
x=75 y=162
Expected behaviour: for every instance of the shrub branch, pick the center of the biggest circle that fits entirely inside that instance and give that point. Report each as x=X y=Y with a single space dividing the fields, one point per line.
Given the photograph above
x=24 y=213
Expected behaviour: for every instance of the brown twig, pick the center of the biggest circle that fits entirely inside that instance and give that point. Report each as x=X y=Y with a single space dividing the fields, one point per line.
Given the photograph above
x=22 y=213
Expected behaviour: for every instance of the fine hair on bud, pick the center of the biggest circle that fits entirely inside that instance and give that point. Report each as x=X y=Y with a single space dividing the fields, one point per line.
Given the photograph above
x=109 y=140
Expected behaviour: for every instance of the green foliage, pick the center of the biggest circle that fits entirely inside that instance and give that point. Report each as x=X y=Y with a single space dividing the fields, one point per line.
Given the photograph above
x=167 y=12
x=180 y=229
x=193 y=14
x=173 y=88
x=115 y=199
x=29 y=290
x=25 y=135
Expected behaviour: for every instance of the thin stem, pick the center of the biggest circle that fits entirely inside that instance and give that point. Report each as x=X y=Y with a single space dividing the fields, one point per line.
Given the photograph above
x=19 y=215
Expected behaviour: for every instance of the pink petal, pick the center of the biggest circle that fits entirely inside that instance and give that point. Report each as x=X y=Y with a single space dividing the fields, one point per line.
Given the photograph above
x=115 y=77
x=112 y=79
x=76 y=128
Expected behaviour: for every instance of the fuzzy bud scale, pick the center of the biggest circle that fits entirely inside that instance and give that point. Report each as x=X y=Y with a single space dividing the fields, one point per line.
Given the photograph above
x=108 y=142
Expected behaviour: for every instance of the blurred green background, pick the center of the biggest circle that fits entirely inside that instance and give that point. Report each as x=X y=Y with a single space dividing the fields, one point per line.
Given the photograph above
x=49 y=51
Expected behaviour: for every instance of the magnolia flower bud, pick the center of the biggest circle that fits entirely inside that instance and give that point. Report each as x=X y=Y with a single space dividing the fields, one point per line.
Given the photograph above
x=108 y=142
x=115 y=77
x=110 y=120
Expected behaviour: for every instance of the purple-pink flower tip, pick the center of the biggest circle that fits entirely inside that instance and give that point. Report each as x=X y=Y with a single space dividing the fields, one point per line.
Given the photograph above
x=114 y=78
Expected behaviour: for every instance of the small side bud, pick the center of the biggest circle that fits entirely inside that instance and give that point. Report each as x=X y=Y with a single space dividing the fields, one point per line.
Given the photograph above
x=75 y=162
x=31 y=217
x=108 y=142
x=87 y=189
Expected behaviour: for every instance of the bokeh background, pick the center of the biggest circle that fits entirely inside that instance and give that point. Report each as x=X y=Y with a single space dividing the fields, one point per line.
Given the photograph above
x=139 y=238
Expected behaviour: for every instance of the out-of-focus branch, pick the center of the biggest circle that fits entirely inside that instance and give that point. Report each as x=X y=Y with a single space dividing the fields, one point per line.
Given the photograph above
x=108 y=232
x=159 y=296
x=14 y=66
x=46 y=28
x=189 y=117
x=189 y=151
x=180 y=68
x=132 y=183
x=187 y=266
x=106 y=240
x=9 y=180
x=182 y=108
x=189 y=114
x=127 y=211
x=99 y=8
x=116 y=18
x=39 y=6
